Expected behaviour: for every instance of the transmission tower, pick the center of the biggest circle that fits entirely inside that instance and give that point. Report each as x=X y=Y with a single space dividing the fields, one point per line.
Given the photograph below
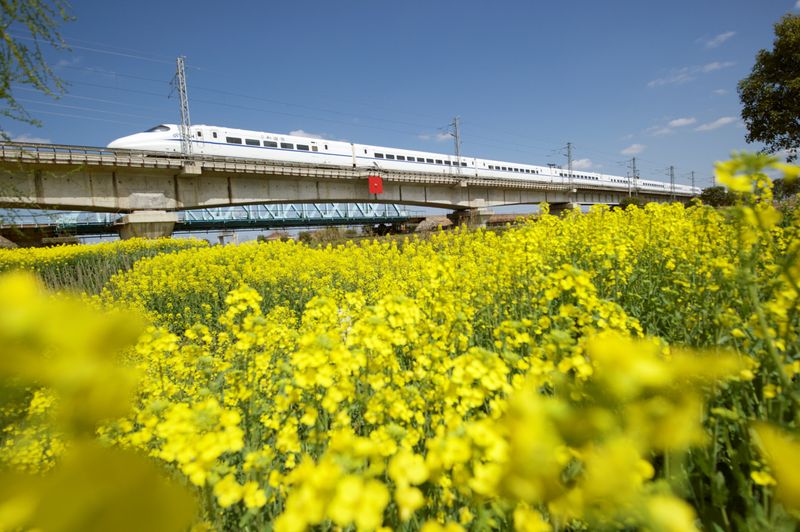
x=186 y=135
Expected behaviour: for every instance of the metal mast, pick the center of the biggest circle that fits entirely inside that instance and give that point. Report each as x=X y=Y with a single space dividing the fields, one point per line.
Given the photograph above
x=633 y=185
x=672 y=182
x=186 y=135
x=456 y=133
x=569 y=167
x=692 y=180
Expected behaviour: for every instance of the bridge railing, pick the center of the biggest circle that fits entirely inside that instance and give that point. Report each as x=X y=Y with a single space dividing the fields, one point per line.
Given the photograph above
x=24 y=152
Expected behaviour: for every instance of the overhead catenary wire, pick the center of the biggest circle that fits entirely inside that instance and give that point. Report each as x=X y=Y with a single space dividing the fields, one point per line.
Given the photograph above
x=528 y=145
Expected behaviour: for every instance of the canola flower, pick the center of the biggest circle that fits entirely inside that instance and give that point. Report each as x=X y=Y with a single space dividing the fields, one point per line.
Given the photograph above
x=87 y=267
x=621 y=369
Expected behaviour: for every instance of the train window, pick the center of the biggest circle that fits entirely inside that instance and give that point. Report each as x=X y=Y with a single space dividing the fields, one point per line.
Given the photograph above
x=199 y=133
x=447 y=163
x=214 y=133
x=491 y=167
x=420 y=159
x=379 y=155
x=365 y=152
x=438 y=161
x=157 y=128
x=233 y=140
x=428 y=160
x=389 y=156
x=287 y=145
x=252 y=142
x=303 y=147
x=463 y=164
x=314 y=148
x=270 y=144
x=401 y=157
x=326 y=146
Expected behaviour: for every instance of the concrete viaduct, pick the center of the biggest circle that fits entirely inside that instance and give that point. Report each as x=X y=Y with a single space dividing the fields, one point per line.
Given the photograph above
x=151 y=187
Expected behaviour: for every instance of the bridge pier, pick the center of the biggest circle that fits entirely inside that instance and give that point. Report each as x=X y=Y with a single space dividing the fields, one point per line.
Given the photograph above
x=147 y=224
x=557 y=209
x=476 y=217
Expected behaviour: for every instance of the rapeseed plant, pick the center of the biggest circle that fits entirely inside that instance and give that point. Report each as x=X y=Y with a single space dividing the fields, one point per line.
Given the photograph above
x=621 y=369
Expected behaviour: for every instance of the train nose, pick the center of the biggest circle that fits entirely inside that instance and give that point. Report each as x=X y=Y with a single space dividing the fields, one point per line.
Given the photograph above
x=137 y=141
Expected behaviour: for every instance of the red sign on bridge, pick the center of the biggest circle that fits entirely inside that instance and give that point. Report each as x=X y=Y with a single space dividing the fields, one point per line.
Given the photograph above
x=375 y=184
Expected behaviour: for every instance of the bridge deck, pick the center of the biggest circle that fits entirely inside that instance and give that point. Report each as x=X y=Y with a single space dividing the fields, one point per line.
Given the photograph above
x=88 y=156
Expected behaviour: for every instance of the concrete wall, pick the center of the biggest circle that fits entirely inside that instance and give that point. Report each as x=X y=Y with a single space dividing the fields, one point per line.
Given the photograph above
x=106 y=187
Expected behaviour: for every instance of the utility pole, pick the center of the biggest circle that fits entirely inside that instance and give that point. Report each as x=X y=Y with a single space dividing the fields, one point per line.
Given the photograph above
x=634 y=177
x=569 y=168
x=456 y=134
x=186 y=134
x=672 y=182
x=692 y=180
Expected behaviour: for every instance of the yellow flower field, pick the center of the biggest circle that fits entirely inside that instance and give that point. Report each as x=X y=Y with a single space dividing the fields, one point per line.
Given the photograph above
x=632 y=369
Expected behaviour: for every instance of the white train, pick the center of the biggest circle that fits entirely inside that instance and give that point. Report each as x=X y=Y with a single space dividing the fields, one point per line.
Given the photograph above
x=227 y=142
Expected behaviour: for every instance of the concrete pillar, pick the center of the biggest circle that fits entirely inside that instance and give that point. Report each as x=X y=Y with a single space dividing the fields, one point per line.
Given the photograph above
x=228 y=237
x=147 y=224
x=471 y=217
x=557 y=209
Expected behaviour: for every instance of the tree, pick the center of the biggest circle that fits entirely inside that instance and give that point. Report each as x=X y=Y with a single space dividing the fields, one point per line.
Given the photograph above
x=782 y=189
x=631 y=200
x=25 y=27
x=771 y=93
x=717 y=197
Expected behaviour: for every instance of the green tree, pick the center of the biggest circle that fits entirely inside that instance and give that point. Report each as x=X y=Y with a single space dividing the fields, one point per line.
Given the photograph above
x=717 y=197
x=632 y=200
x=783 y=189
x=771 y=93
x=25 y=27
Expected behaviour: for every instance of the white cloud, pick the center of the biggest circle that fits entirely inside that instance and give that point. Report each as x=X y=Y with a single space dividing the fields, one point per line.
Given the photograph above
x=658 y=131
x=797 y=5
x=680 y=122
x=675 y=77
x=716 y=124
x=438 y=137
x=30 y=138
x=716 y=65
x=301 y=133
x=719 y=39
x=72 y=61
x=784 y=154
x=582 y=164
x=633 y=149
x=722 y=92
x=679 y=76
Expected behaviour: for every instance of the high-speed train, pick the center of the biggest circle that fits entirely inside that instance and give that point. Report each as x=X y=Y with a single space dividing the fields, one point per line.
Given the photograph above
x=228 y=142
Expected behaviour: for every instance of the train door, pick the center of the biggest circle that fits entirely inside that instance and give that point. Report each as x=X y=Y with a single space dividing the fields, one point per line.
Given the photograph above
x=199 y=140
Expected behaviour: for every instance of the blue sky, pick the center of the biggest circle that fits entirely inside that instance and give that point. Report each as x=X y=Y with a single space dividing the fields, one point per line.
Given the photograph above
x=655 y=80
